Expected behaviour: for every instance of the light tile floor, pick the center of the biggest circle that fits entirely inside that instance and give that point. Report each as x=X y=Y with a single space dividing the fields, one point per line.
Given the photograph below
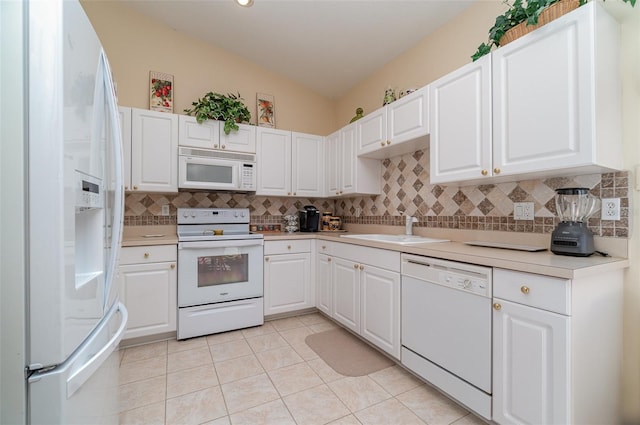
x=268 y=375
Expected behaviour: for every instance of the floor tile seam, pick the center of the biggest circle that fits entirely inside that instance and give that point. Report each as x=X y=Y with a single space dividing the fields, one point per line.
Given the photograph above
x=167 y=398
x=337 y=395
x=145 y=405
x=402 y=404
x=317 y=386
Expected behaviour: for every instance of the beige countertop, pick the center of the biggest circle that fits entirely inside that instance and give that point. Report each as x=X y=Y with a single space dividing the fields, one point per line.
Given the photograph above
x=545 y=262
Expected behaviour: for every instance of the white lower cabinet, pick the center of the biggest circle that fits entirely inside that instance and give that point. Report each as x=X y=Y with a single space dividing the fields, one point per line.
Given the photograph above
x=366 y=298
x=557 y=346
x=346 y=293
x=324 y=284
x=288 y=283
x=147 y=279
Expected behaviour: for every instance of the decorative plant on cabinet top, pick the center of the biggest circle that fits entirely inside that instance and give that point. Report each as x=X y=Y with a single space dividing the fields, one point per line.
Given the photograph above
x=216 y=106
x=522 y=11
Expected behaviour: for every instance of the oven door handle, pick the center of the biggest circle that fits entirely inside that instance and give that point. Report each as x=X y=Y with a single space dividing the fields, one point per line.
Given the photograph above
x=220 y=244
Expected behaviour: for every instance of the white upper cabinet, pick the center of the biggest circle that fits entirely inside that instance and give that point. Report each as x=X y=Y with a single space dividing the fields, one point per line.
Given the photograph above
x=346 y=173
x=210 y=135
x=552 y=106
x=154 y=151
x=289 y=164
x=460 y=122
x=307 y=164
x=395 y=129
x=557 y=97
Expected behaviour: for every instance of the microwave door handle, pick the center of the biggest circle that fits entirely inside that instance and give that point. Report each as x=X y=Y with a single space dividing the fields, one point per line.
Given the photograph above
x=240 y=176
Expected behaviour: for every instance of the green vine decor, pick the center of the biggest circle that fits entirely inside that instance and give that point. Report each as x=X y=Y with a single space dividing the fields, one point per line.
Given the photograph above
x=519 y=11
x=215 y=106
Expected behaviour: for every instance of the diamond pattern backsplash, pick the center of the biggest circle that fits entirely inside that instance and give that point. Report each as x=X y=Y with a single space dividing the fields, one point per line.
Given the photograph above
x=406 y=189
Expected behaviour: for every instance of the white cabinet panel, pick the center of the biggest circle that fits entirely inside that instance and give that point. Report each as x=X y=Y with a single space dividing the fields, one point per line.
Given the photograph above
x=154 y=151
x=460 y=121
x=149 y=289
x=287 y=283
x=324 y=284
x=210 y=135
x=346 y=293
x=307 y=165
x=398 y=128
x=274 y=162
x=531 y=372
x=380 y=308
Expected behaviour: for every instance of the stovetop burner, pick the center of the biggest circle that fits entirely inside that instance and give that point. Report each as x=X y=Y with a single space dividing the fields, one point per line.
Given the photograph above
x=204 y=224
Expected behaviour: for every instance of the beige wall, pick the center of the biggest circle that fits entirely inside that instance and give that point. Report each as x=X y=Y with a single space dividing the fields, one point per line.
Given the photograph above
x=136 y=45
x=448 y=48
x=631 y=136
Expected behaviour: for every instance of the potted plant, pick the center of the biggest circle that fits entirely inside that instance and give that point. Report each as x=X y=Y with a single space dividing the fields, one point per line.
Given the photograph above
x=215 y=106
x=526 y=14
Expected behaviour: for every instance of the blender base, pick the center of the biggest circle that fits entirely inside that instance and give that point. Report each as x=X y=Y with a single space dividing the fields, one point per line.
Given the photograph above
x=572 y=238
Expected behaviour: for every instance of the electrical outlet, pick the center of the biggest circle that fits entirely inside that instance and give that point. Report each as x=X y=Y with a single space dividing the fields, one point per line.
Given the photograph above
x=358 y=211
x=523 y=210
x=165 y=210
x=610 y=209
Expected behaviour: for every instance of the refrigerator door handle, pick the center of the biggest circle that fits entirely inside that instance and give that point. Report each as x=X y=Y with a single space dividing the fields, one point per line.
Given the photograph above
x=118 y=208
x=76 y=380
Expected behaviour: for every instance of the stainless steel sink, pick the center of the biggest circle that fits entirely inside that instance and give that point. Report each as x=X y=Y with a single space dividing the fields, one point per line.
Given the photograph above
x=397 y=239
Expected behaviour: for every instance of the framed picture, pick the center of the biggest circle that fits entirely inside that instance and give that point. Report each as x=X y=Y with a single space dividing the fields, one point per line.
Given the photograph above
x=266 y=116
x=160 y=92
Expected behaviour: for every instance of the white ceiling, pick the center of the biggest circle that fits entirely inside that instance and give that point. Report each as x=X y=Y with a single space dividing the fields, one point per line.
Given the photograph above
x=326 y=45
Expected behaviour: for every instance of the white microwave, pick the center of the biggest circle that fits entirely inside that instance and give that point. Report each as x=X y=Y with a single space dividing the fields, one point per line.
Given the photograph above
x=208 y=169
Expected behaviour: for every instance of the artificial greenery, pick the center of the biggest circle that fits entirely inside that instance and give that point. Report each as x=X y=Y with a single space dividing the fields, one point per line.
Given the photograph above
x=518 y=12
x=216 y=106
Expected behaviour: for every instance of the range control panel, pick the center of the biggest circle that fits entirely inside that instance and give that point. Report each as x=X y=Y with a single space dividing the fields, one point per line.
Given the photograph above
x=213 y=215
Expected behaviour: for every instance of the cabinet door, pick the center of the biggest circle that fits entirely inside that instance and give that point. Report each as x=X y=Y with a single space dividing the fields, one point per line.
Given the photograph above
x=124 y=114
x=348 y=159
x=149 y=291
x=380 y=308
x=154 y=151
x=460 y=123
x=307 y=165
x=407 y=118
x=287 y=283
x=543 y=98
x=205 y=135
x=531 y=371
x=274 y=162
x=346 y=293
x=332 y=164
x=372 y=131
x=324 y=285
x=242 y=140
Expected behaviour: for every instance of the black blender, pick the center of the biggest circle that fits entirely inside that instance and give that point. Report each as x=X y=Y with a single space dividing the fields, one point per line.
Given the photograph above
x=572 y=236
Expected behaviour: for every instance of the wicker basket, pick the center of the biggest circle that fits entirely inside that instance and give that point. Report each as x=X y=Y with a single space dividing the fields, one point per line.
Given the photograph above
x=552 y=12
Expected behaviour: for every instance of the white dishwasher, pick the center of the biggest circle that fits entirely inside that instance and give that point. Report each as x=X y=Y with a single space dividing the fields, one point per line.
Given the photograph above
x=446 y=327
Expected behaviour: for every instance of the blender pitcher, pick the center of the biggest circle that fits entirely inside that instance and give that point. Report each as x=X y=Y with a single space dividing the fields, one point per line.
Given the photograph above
x=572 y=236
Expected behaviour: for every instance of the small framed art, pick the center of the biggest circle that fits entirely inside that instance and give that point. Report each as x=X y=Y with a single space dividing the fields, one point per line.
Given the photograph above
x=160 y=92
x=266 y=110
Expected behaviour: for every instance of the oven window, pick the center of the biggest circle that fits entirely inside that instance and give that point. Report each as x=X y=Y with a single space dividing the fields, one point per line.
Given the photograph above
x=210 y=173
x=221 y=269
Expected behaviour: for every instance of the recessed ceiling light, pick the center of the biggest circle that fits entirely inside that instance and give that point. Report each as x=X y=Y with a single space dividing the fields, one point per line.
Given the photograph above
x=245 y=3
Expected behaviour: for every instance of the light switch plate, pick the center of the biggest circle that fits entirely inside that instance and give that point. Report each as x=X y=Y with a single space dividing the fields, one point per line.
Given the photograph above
x=164 y=210
x=523 y=210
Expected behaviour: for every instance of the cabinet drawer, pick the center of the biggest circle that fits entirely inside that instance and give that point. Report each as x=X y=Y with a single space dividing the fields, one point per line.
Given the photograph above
x=287 y=246
x=534 y=290
x=382 y=258
x=148 y=254
x=324 y=247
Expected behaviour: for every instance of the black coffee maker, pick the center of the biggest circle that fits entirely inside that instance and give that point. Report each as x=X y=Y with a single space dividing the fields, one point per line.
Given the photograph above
x=309 y=218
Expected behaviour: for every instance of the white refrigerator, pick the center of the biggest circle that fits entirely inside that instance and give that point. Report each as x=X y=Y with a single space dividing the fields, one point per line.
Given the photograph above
x=75 y=208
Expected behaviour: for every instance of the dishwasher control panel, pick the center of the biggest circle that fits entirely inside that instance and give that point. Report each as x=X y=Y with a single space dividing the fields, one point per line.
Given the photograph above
x=462 y=276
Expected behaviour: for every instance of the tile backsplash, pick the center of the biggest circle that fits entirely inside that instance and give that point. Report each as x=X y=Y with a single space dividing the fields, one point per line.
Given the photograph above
x=406 y=190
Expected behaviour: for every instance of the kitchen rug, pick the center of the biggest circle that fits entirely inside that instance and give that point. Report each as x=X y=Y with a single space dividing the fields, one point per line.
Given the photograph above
x=346 y=354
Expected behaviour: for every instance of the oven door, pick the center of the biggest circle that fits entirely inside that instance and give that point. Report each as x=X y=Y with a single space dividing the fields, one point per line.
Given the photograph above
x=208 y=173
x=217 y=271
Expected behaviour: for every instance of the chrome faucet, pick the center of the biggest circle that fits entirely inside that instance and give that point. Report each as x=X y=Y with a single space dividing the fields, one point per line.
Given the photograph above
x=408 y=227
